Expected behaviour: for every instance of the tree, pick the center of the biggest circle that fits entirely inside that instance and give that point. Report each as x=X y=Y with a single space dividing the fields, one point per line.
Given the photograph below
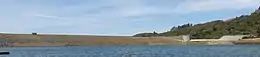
x=185 y=26
x=258 y=32
x=34 y=33
x=174 y=28
x=154 y=34
x=258 y=10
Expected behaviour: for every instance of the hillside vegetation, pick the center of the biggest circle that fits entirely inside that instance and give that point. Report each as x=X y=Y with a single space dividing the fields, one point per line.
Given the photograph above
x=241 y=25
x=29 y=40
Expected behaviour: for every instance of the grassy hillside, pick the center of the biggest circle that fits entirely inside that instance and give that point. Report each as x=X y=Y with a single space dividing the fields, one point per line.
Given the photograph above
x=14 y=40
x=244 y=24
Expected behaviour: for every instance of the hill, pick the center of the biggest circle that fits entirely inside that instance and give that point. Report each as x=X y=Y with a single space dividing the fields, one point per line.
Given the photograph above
x=28 y=40
x=242 y=25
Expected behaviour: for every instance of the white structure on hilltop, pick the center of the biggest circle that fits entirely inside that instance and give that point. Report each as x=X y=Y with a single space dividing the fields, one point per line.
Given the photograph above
x=186 y=38
x=232 y=37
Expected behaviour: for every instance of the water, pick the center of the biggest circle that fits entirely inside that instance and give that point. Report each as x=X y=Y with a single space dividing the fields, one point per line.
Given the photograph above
x=137 y=51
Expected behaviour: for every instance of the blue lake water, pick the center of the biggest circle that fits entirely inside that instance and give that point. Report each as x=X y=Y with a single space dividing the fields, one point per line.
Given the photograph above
x=136 y=51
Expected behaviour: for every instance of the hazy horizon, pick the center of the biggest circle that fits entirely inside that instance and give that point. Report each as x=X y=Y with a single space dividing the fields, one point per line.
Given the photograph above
x=114 y=17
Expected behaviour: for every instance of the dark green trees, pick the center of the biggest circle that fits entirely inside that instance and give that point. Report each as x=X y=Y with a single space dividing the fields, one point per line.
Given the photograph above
x=154 y=34
x=34 y=33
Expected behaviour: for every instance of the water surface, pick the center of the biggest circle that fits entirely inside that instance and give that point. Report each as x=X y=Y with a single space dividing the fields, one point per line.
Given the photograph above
x=137 y=51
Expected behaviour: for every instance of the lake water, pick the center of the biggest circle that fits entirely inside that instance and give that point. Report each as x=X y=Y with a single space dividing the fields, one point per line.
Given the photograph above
x=137 y=51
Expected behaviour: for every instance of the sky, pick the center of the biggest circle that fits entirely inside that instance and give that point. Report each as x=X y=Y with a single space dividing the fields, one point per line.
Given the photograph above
x=114 y=17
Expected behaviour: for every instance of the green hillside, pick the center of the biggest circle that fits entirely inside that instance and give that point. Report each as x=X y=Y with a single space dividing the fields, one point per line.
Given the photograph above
x=244 y=24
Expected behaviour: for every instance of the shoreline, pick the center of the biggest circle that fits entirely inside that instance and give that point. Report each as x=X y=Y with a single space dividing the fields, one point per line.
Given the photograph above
x=129 y=45
x=28 y=40
x=187 y=44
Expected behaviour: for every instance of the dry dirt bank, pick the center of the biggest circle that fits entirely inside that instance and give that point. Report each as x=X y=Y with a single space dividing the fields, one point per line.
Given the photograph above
x=80 y=40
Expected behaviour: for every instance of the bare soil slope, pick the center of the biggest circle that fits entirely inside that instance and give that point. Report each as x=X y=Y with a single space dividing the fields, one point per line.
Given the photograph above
x=79 y=40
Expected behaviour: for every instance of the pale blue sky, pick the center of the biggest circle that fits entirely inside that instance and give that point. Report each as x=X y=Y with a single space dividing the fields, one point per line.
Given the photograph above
x=113 y=17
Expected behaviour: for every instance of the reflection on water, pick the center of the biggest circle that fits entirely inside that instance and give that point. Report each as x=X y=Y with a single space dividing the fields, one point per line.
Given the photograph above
x=137 y=51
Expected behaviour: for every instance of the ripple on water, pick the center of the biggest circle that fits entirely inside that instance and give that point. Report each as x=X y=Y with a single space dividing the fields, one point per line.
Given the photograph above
x=137 y=51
